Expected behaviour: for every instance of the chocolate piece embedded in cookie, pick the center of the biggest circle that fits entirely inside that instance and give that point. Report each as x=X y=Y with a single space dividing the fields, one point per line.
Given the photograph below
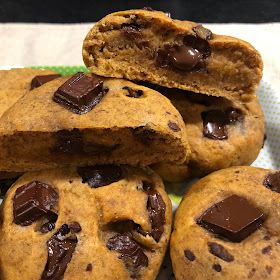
x=272 y=182
x=129 y=249
x=42 y=79
x=60 y=251
x=80 y=94
x=233 y=218
x=100 y=175
x=33 y=200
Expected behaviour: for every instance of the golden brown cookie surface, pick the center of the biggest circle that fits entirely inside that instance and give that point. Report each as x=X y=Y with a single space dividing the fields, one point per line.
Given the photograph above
x=227 y=226
x=98 y=222
x=121 y=127
x=221 y=133
x=150 y=46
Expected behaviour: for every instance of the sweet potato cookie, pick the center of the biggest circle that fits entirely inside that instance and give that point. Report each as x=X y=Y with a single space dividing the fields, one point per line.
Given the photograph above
x=94 y=222
x=227 y=227
x=81 y=120
x=221 y=133
x=150 y=46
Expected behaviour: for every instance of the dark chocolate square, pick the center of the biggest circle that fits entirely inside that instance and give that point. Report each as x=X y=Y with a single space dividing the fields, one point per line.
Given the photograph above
x=40 y=80
x=233 y=218
x=80 y=94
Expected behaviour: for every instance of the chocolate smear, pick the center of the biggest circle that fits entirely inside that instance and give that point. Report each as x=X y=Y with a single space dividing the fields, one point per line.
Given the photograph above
x=215 y=121
x=60 y=251
x=40 y=80
x=272 y=182
x=133 y=93
x=33 y=200
x=233 y=218
x=129 y=249
x=100 y=175
x=80 y=94
x=219 y=251
x=189 y=255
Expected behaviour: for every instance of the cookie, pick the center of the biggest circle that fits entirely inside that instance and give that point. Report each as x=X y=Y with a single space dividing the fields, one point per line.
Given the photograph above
x=15 y=83
x=227 y=227
x=94 y=222
x=82 y=120
x=149 y=45
x=221 y=133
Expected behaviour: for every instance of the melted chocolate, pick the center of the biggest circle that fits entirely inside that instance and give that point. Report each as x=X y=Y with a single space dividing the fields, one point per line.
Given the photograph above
x=272 y=182
x=131 y=30
x=80 y=94
x=100 y=175
x=40 y=80
x=219 y=251
x=133 y=93
x=60 y=251
x=233 y=218
x=31 y=201
x=129 y=249
x=215 y=121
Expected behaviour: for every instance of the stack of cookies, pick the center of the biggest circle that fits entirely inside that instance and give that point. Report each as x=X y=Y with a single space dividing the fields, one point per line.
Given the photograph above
x=163 y=94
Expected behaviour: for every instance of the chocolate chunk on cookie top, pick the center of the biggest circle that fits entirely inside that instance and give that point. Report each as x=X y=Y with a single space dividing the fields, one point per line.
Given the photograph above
x=129 y=249
x=233 y=218
x=42 y=79
x=80 y=94
x=272 y=182
x=215 y=121
x=31 y=201
x=60 y=251
x=100 y=175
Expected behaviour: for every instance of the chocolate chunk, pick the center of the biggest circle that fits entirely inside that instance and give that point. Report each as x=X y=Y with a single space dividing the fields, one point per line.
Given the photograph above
x=180 y=57
x=233 y=218
x=80 y=94
x=272 y=182
x=156 y=211
x=219 y=251
x=129 y=249
x=133 y=93
x=265 y=250
x=60 y=251
x=217 y=267
x=251 y=273
x=100 y=175
x=75 y=227
x=48 y=226
x=148 y=9
x=145 y=135
x=173 y=126
x=89 y=267
x=215 y=121
x=203 y=32
x=69 y=141
x=131 y=30
x=268 y=269
x=189 y=255
x=31 y=201
x=40 y=80
x=266 y=237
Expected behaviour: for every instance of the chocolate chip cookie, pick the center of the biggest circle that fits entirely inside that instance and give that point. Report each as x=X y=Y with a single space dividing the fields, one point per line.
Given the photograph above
x=221 y=133
x=149 y=45
x=81 y=120
x=227 y=227
x=93 y=222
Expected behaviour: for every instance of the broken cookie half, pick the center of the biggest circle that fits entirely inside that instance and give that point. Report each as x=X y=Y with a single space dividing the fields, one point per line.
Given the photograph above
x=81 y=120
x=149 y=45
